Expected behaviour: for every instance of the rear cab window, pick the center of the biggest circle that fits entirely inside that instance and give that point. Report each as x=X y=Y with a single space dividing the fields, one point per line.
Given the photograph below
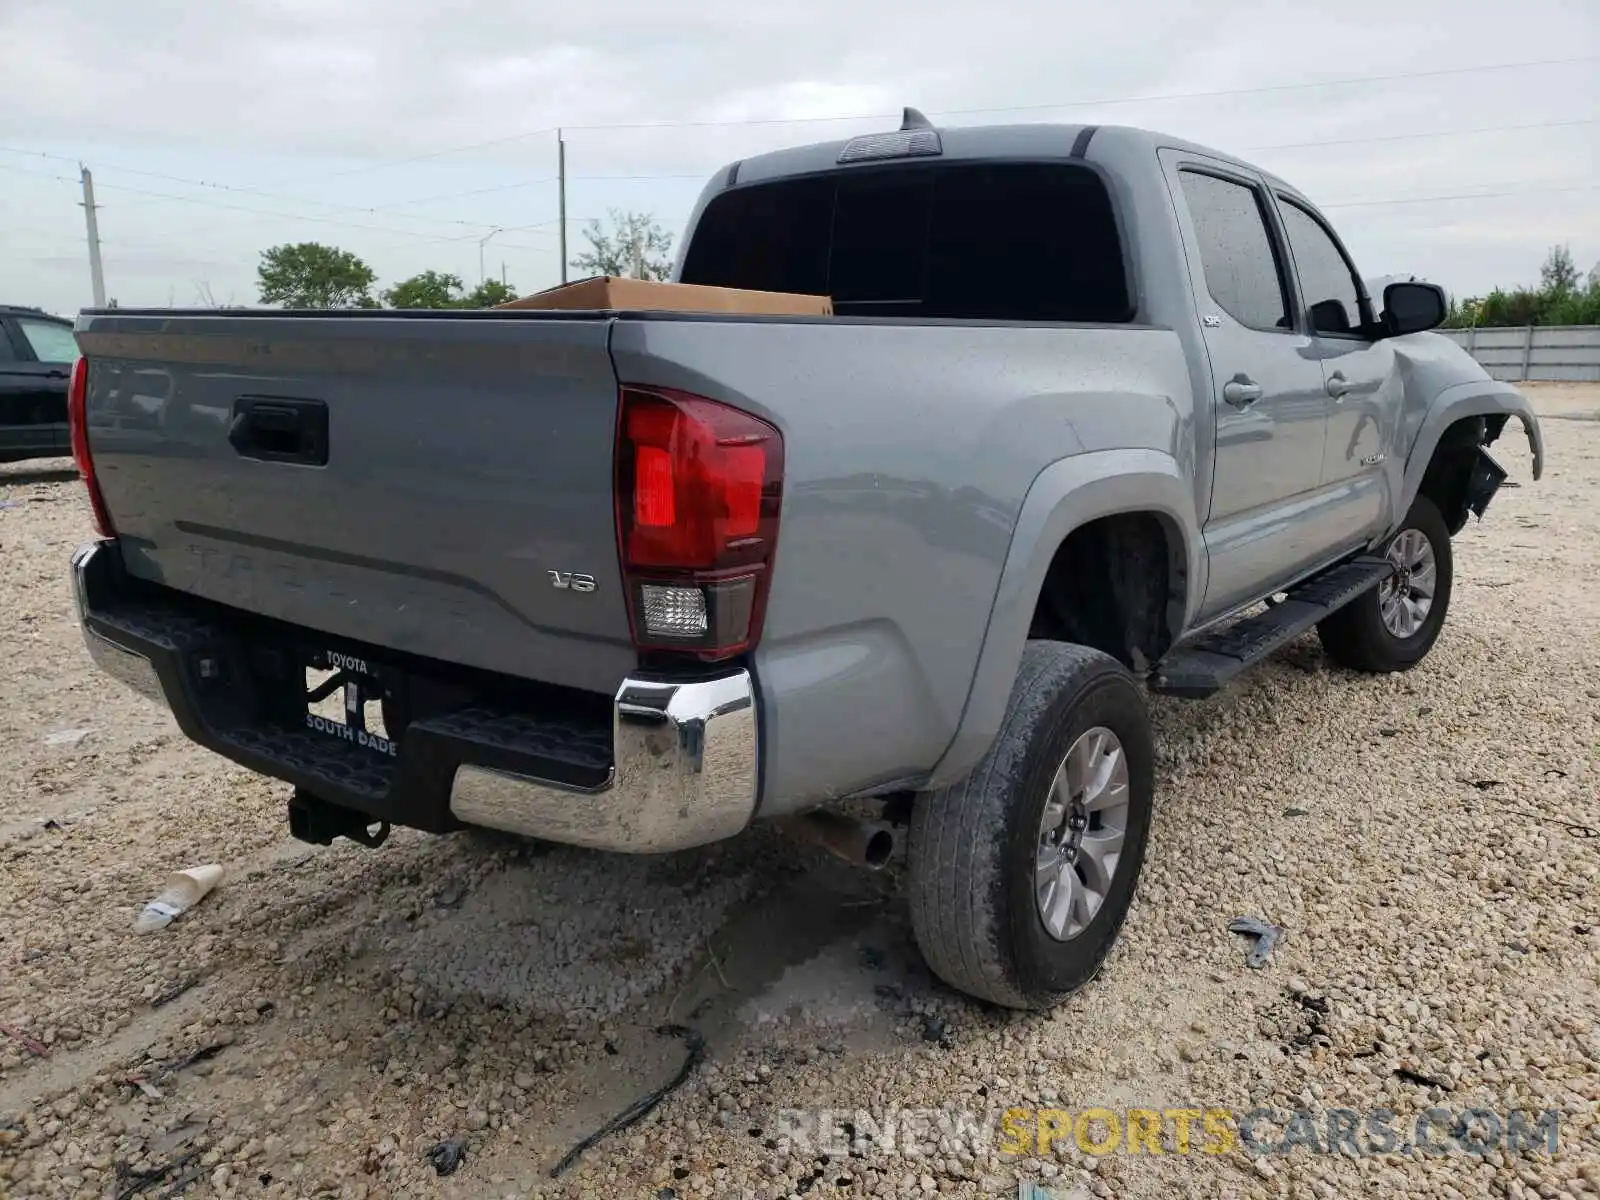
x=970 y=240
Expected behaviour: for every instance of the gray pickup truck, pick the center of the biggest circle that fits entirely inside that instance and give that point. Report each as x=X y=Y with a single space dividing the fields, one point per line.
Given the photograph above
x=1090 y=399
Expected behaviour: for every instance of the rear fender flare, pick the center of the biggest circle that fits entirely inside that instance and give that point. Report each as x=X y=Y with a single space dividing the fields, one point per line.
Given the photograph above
x=1065 y=495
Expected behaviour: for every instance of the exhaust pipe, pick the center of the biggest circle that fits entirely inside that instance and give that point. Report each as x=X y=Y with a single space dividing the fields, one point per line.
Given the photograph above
x=856 y=842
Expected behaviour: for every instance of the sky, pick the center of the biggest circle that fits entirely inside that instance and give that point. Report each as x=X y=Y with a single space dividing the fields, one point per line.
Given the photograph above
x=1453 y=139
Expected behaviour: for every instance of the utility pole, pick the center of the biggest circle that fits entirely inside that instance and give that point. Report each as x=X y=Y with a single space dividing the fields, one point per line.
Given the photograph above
x=561 y=177
x=482 y=242
x=96 y=275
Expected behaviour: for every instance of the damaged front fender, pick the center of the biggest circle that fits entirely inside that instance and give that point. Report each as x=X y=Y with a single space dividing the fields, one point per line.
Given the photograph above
x=1488 y=404
x=1482 y=483
x=1477 y=398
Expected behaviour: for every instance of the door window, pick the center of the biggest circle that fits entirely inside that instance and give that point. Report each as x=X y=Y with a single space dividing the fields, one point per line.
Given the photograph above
x=1242 y=270
x=52 y=343
x=1326 y=279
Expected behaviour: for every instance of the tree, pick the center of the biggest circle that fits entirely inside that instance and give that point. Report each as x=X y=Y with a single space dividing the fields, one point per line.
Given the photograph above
x=431 y=289
x=488 y=294
x=1562 y=298
x=1558 y=276
x=441 y=289
x=635 y=246
x=309 y=275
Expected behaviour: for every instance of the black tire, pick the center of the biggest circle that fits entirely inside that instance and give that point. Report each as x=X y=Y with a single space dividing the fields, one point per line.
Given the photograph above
x=973 y=845
x=1356 y=636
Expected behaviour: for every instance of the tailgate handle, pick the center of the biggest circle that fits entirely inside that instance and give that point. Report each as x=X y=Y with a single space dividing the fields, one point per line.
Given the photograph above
x=280 y=430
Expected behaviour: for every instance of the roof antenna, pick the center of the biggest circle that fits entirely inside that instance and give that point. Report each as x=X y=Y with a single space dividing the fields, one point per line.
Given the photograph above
x=913 y=119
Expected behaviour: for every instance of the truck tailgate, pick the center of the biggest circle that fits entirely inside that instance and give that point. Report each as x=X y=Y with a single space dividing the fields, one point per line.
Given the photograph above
x=464 y=484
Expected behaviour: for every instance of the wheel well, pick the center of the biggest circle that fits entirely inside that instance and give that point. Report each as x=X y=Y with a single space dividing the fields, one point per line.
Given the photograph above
x=1446 y=480
x=1116 y=584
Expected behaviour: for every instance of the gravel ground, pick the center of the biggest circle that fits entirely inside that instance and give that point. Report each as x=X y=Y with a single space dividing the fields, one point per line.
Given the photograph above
x=326 y=1017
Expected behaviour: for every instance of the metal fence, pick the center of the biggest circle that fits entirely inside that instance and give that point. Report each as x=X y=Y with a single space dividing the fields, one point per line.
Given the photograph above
x=1554 y=352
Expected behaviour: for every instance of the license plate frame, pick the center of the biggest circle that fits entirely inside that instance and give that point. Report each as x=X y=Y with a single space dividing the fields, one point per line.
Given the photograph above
x=359 y=681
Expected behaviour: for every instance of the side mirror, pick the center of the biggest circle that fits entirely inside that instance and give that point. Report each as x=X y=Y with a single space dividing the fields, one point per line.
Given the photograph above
x=1412 y=307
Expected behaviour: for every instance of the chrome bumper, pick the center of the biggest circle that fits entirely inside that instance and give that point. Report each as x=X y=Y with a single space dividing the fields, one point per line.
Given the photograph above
x=122 y=664
x=684 y=754
x=684 y=774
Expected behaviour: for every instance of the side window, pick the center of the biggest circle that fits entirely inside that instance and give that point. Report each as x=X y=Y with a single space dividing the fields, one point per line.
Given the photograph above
x=7 y=354
x=1326 y=279
x=51 y=342
x=1236 y=251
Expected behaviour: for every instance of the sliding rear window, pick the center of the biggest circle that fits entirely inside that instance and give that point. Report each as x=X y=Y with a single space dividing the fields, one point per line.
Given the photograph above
x=981 y=241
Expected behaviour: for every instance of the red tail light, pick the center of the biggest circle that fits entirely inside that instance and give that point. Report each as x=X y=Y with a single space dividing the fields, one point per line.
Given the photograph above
x=698 y=490
x=78 y=429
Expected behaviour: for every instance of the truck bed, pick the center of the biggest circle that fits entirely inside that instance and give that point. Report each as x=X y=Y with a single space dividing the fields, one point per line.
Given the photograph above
x=406 y=480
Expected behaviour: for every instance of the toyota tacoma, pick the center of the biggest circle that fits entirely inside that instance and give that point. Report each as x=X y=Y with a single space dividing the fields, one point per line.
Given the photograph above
x=1097 y=412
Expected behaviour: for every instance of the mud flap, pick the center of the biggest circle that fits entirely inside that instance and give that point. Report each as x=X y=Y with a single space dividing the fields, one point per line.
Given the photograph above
x=1484 y=481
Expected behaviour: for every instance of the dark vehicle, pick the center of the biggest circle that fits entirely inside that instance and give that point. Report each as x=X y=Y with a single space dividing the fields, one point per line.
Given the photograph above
x=36 y=353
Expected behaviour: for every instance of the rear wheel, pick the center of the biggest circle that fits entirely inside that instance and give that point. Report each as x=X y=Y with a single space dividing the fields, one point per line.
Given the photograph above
x=1393 y=627
x=1021 y=875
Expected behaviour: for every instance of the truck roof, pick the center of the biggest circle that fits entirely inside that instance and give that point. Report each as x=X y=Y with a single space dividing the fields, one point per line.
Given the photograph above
x=1035 y=140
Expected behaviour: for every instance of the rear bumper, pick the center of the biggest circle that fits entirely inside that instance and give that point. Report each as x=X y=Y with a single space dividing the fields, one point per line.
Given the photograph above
x=678 y=769
x=683 y=774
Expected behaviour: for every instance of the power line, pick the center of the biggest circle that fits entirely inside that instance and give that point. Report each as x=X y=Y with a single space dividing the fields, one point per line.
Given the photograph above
x=476 y=226
x=415 y=158
x=483 y=191
x=1579 y=187
x=537 y=225
x=1154 y=98
x=38 y=174
x=1560 y=186
x=209 y=203
x=227 y=187
x=542 y=224
x=707 y=173
x=159 y=197
x=1408 y=137
x=526 y=183
x=1395 y=200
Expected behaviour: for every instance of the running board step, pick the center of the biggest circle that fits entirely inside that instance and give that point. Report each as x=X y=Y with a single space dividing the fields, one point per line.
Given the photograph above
x=1204 y=666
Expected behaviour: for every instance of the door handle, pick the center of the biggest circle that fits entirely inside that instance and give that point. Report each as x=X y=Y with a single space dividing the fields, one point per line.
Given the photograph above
x=276 y=430
x=1338 y=385
x=1240 y=392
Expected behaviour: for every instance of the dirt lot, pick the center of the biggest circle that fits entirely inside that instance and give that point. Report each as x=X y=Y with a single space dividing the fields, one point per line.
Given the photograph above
x=326 y=1017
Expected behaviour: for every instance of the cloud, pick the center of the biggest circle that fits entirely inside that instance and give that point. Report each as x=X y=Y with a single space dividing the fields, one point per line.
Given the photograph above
x=339 y=109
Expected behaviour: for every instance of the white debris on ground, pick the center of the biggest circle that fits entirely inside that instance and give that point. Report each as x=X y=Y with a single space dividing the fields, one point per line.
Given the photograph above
x=1425 y=841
